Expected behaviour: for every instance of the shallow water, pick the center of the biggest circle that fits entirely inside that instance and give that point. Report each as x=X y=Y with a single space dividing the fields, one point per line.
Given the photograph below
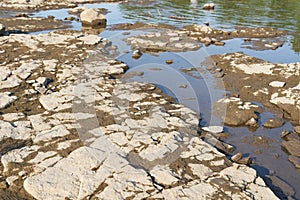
x=279 y=14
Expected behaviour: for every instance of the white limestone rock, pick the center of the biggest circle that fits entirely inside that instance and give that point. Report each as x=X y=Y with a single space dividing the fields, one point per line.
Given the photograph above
x=4 y=73
x=277 y=84
x=91 y=17
x=163 y=175
x=213 y=129
x=6 y=99
x=55 y=132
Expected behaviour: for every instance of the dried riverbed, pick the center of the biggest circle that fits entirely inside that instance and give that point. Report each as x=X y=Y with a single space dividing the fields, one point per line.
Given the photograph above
x=66 y=101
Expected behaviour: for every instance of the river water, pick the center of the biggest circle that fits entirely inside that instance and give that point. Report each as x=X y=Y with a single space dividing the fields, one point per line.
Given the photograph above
x=227 y=14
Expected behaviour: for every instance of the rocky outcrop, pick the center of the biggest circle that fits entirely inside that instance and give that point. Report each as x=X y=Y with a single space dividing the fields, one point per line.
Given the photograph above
x=93 y=134
x=257 y=79
x=92 y=17
x=168 y=40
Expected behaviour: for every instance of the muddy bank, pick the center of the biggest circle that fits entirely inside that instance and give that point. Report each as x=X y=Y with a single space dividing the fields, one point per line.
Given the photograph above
x=32 y=24
x=276 y=86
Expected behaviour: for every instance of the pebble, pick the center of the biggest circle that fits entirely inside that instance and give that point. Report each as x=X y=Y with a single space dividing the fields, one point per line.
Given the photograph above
x=169 y=62
x=295 y=160
x=284 y=133
x=274 y=123
x=136 y=54
x=2 y=29
x=277 y=84
x=237 y=157
x=208 y=6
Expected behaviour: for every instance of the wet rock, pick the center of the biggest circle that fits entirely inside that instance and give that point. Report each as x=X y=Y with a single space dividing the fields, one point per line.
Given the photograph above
x=77 y=10
x=252 y=123
x=136 y=54
x=245 y=161
x=50 y=17
x=169 y=62
x=288 y=101
x=6 y=99
x=284 y=133
x=277 y=84
x=160 y=41
x=91 y=17
x=297 y=129
x=292 y=147
x=283 y=189
x=213 y=129
x=295 y=160
x=274 y=123
x=183 y=86
x=208 y=6
x=237 y=157
x=22 y=15
x=2 y=29
x=238 y=112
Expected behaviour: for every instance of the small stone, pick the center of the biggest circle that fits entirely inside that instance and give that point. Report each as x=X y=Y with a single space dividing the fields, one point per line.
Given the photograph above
x=136 y=54
x=208 y=6
x=245 y=161
x=91 y=17
x=213 y=129
x=295 y=160
x=284 y=133
x=169 y=62
x=22 y=15
x=3 y=185
x=274 y=123
x=252 y=122
x=51 y=17
x=183 y=86
x=278 y=84
x=2 y=29
x=219 y=43
x=297 y=129
x=237 y=157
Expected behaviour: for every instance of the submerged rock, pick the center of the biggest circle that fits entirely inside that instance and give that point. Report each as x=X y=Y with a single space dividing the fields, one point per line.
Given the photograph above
x=274 y=123
x=295 y=160
x=292 y=145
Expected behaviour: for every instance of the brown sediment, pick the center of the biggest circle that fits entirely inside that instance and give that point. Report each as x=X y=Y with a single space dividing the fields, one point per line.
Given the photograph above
x=28 y=24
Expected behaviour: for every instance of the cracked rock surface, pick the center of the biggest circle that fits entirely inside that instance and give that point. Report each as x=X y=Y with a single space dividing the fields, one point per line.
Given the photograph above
x=88 y=134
